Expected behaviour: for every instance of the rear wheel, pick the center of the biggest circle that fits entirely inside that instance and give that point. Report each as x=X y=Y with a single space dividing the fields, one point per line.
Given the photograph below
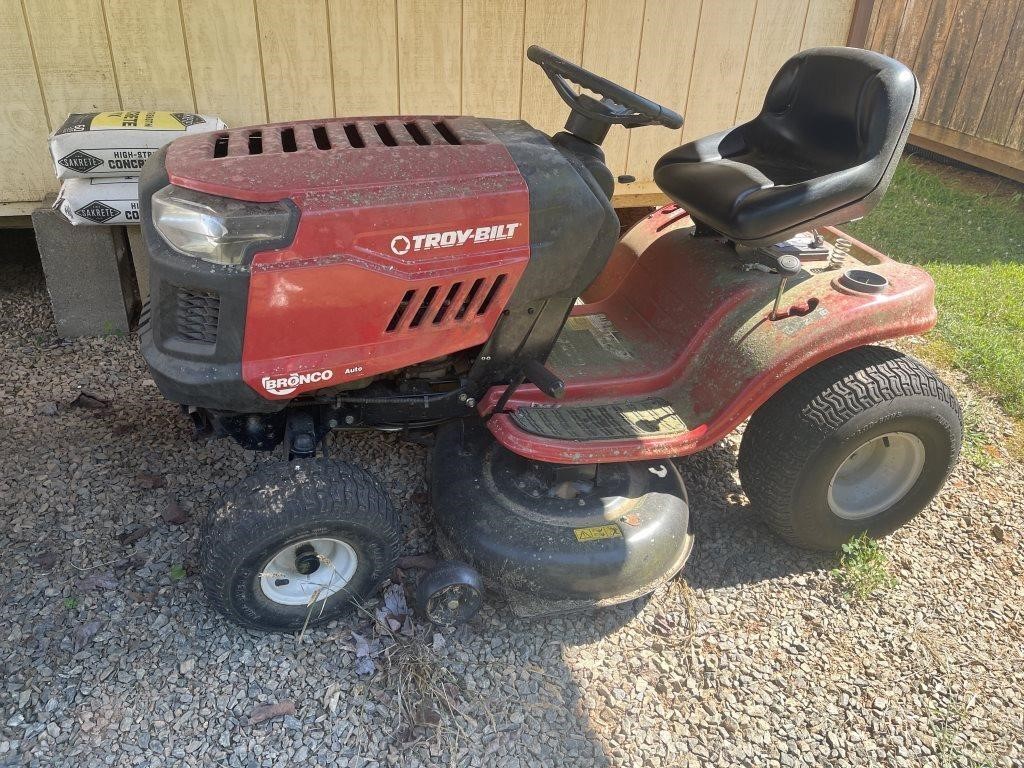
x=860 y=443
x=298 y=544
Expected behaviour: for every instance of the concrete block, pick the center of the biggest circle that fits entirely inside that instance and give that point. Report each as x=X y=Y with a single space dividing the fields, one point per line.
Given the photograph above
x=140 y=258
x=89 y=275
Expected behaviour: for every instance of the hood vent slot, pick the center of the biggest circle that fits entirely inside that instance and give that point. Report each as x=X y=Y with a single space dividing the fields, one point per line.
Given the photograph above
x=439 y=305
x=446 y=133
x=385 y=135
x=321 y=138
x=417 y=134
x=352 y=134
x=288 y=140
x=334 y=135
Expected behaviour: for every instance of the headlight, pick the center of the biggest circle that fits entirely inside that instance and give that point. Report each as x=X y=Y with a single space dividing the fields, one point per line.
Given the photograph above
x=216 y=229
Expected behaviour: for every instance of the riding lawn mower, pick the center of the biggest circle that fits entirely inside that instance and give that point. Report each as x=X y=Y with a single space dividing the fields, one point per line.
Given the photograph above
x=462 y=279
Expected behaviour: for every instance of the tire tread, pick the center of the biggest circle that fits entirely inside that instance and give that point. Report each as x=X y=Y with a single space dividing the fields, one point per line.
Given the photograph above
x=785 y=432
x=329 y=489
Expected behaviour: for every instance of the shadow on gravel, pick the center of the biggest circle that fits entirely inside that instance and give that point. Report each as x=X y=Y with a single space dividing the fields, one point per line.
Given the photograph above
x=732 y=547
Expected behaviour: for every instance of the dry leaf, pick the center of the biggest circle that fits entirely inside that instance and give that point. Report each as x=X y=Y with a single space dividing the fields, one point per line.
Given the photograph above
x=270 y=711
x=172 y=512
x=91 y=401
x=364 y=666
x=84 y=634
x=425 y=562
x=45 y=560
x=98 y=581
x=147 y=480
x=130 y=537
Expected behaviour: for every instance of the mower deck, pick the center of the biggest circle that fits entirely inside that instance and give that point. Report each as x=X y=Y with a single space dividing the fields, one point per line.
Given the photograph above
x=554 y=540
x=675 y=343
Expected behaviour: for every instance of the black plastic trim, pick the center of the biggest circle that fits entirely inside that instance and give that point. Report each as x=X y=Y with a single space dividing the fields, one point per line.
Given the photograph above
x=189 y=372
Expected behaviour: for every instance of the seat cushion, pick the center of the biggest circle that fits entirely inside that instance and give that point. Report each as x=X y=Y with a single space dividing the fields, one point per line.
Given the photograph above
x=742 y=200
x=821 y=151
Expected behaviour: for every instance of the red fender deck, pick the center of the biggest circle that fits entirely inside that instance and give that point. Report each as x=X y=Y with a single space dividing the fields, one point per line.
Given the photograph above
x=672 y=346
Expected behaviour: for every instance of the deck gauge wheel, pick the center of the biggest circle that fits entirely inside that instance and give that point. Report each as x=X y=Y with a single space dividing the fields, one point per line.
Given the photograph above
x=450 y=593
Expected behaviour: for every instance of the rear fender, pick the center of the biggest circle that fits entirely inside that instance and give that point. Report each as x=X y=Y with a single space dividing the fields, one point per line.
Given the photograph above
x=728 y=355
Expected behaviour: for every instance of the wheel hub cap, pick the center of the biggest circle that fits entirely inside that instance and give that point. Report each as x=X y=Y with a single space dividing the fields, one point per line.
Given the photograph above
x=309 y=571
x=306 y=560
x=876 y=475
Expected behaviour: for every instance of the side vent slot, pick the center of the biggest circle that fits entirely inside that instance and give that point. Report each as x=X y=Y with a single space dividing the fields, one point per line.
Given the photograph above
x=403 y=307
x=473 y=291
x=445 y=303
x=288 y=140
x=385 y=135
x=353 y=136
x=446 y=133
x=427 y=301
x=495 y=287
x=417 y=134
x=220 y=146
x=321 y=138
x=256 y=143
x=443 y=309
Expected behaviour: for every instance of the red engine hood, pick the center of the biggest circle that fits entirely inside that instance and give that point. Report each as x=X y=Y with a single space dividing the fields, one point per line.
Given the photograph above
x=413 y=232
x=380 y=156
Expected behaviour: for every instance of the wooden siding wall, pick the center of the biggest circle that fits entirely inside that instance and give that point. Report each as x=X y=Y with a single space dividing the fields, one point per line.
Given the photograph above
x=250 y=61
x=969 y=57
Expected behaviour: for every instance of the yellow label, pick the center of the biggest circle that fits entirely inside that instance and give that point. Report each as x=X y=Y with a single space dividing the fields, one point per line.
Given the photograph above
x=153 y=121
x=597 y=533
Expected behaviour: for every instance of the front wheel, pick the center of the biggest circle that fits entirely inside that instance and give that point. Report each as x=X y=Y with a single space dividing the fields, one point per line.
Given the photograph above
x=298 y=544
x=860 y=443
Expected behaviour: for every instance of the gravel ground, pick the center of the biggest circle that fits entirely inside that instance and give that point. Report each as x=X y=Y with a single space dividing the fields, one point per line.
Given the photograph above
x=110 y=656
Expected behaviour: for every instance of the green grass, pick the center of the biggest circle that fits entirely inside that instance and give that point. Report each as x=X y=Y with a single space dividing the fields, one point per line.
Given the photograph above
x=977 y=446
x=972 y=243
x=863 y=568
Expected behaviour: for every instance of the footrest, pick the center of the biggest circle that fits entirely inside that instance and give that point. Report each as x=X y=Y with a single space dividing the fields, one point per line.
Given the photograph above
x=649 y=417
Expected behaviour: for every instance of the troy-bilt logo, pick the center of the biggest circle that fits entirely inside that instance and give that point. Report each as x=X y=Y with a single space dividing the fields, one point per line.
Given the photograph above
x=402 y=244
x=285 y=385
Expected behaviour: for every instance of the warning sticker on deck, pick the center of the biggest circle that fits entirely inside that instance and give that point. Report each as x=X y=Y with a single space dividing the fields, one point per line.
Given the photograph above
x=597 y=533
x=604 y=333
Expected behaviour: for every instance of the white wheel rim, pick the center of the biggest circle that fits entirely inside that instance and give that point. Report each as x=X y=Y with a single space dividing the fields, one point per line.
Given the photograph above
x=876 y=475
x=284 y=583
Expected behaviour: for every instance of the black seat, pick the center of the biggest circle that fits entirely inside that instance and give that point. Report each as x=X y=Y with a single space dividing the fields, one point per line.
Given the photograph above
x=822 y=150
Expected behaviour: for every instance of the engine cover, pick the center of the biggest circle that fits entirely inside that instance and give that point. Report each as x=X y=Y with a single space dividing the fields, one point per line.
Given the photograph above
x=412 y=234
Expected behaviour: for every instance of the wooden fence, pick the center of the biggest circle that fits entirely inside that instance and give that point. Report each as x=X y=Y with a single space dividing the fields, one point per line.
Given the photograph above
x=969 y=57
x=250 y=61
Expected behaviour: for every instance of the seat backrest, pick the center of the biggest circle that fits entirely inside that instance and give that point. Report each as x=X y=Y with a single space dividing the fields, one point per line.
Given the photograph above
x=839 y=107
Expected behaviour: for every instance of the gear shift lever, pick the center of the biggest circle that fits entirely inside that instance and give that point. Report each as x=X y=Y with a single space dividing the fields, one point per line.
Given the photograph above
x=787 y=266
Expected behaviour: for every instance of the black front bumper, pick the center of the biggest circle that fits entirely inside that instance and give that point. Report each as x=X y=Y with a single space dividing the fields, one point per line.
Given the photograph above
x=192 y=328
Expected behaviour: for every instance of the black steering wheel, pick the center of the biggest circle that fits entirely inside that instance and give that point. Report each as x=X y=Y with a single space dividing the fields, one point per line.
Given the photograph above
x=618 y=106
